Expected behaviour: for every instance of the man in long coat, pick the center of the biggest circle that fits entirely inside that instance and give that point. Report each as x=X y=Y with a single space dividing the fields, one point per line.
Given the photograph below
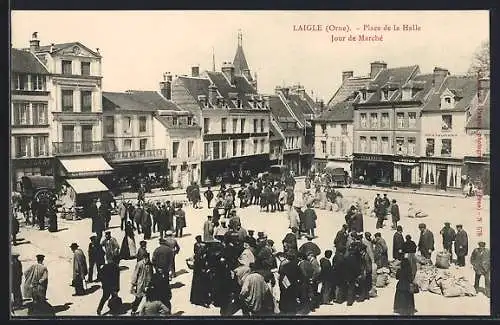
x=98 y=223
x=426 y=241
x=163 y=256
x=16 y=279
x=80 y=269
x=146 y=223
x=397 y=244
x=310 y=221
x=111 y=248
x=341 y=238
x=36 y=280
x=96 y=256
x=138 y=215
x=123 y=212
x=357 y=221
x=448 y=235
x=208 y=229
x=480 y=260
x=171 y=242
x=380 y=251
x=395 y=214
x=461 y=245
x=141 y=279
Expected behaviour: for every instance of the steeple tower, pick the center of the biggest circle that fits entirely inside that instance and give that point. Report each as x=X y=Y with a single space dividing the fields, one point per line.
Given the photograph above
x=240 y=62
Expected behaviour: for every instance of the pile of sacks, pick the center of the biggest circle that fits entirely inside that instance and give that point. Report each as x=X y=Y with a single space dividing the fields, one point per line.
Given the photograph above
x=382 y=277
x=443 y=282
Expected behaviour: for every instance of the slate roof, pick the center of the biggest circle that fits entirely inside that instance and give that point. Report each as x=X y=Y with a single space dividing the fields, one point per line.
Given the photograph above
x=348 y=87
x=278 y=109
x=396 y=76
x=300 y=108
x=195 y=86
x=241 y=87
x=467 y=87
x=480 y=118
x=424 y=83
x=136 y=100
x=26 y=62
x=240 y=62
x=340 y=112
x=275 y=131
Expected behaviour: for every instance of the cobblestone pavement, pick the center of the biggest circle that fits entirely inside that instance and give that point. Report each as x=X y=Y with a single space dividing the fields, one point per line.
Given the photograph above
x=440 y=209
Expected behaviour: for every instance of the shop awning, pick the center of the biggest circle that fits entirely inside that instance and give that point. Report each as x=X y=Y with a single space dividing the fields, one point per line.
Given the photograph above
x=86 y=185
x=83 y=165
x=405 y=164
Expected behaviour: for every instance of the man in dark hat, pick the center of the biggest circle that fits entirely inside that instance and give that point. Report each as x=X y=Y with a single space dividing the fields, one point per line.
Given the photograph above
x=426 y=241
x=386 y=204
x=461 y=245
x=480 y=260
x=397 y=244
x=171 y=242
x=96 y=256
x=326 y=277
x=111 y=247
x=36 y=280
x=16 y=279
x=142 y=251
x=378 y=207
x=109 y=275
x=341 y=237
x=395 y=214
x=163 y=256
x=80 y=269
x=448 y=235
x=209 y=195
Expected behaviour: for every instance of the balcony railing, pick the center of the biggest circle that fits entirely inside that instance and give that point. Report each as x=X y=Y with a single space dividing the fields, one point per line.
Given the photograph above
x=70 y=148
x=136 y=155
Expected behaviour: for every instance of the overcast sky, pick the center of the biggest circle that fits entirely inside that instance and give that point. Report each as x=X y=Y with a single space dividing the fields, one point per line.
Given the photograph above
x=138 y=46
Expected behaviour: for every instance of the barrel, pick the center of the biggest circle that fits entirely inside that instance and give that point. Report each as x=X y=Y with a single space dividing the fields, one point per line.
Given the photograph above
x=443 y=260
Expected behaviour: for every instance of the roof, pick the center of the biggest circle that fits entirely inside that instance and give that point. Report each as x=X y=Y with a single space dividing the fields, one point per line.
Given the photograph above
x=166 y=121
x=300 y=108
x=26 y=62
x=61 y=46
x=137 y=100
x=395 y=76
x=467 y=86
x=275 y=131
x=348 y=87
x=425 y=83
x=240 y=62
x=480 y=118
x=340 y=112
x=278 y=108
x=195 y=86
x=241 y=87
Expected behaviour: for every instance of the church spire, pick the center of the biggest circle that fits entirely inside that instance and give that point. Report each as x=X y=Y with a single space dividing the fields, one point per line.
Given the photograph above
x=240 y=38
x=240 y=62
x=213 y=59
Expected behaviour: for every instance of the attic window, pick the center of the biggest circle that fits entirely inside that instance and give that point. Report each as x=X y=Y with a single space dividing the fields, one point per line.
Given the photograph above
x=363 y=94
x=385 y=94
x=447 y=100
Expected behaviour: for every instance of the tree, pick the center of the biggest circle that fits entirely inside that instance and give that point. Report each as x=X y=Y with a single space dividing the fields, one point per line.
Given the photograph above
x=481 y=61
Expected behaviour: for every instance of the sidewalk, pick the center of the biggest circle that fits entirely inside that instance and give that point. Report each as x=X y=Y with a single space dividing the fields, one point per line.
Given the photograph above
x=157 y=193
x=411 y=191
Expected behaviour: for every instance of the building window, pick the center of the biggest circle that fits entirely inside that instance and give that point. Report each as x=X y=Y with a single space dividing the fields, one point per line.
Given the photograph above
x=206 y=125
x=323 y=146
x=127 y=144
x=363 y=94
x=21 y=82
x=235 y=148
x=412 y=143
x=85 y=68
x=323 y=128
x=374 y=120
x=207 y=147
x=400 y=142
x=412 y=120
x=242 y=122
x=86 y=101
x=223 y=124
x=385 y=94
x=262 y=125
x=362 y=144
x=67 y=67
x=343 y=129
x=175 y=149
x=446 y=147
x=363 y=120
x=446 y=122
x=21 y=113
x=255 y=125
x=40 y=112
x=67 y=100
x=142 y=123
x=486 y=144
x=23 y=147
x=400 y=117
x=38 y=82
x=109 y=124
x=333 y=148
x=429 y=148
x=216 y=150
x=224 y=149
x=262 y=145
x=190 y=148
x=175 y=120
x=190 y=120
x=242 y=147
x=343 y=148
x=143 y=144
x=235 y=124
x=385 y=145
x=255 y=146
x=447 y=100
x=40 y=146
x=373 y=145
x=385 y=120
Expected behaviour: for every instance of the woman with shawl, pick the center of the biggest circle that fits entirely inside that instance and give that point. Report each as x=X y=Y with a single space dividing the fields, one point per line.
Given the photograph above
x=404 y=300
x=200 y=293
x=128 y=249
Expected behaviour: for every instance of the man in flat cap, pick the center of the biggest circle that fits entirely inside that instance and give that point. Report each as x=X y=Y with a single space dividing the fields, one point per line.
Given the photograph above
x=426 y=241
x=79 y=269
x=36 y=280
x=16 y=279
x=461 y=245
x=480 y=260
x=448 y=235
x=96 y=255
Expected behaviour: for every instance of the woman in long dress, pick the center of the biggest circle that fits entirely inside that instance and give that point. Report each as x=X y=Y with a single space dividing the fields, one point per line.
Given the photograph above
x=200 y=294
x=128 y=249
x=404 y=299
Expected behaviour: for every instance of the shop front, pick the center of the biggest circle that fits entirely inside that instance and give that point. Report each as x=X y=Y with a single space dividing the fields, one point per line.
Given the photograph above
x=31 y=167
x=233 y=170
x=128 y=175
x=291 y=158
x=406 y=172
x=373 y=169
x=441 y=174
x=477 y=171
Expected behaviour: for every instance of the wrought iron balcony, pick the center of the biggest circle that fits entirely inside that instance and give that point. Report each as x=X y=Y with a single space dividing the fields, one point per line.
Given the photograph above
x=79 y=148
x=117 y=156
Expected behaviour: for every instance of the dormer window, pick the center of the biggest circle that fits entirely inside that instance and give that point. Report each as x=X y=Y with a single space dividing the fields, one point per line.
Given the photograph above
x=385 y=94
x=363 y=94
x=447 y=100
x=238 y=103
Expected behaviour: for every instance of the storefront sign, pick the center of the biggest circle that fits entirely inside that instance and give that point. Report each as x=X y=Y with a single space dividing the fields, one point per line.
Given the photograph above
x=372 y=157
x=33 y=163
x=406 y=160
x=441 y=135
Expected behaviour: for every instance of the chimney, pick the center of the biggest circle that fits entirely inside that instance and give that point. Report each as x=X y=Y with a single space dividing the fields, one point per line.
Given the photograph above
x=439 y=75
x=277 y=90
x=34 y=42
x=246 y=73
x=166 y=86
x=52 y=47
x=228 y=71
x=376 y=67
x=195 y=71
x=286 y=91
x=212 y=95
x=483 y=88
x=347 y=74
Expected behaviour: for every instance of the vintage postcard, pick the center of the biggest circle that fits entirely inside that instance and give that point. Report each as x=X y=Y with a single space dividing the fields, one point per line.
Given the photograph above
x=249 y=163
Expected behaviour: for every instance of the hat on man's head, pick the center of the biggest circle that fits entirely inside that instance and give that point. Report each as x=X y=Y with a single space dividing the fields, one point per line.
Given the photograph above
x=421 y=225
x=169 y=233
x=107 y=232
x=74 y=245
x=198 y=237
x=143 y=243
x=385 y=194
x=459 y=226
x=399 y=228
x=162 y=240
x=446 y=223
x=393 y=201
x=482 y=244
x=93 y=235
x=261 y=234
x=40 y=256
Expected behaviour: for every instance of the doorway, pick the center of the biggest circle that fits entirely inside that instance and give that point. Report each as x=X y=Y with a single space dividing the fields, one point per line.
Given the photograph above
x=442 y=176
x=406 y=175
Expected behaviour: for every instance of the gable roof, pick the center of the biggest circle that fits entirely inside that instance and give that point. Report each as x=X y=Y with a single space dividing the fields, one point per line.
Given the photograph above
x=348 y=87
x=278 y=109
x=61 y=46
x=467 y=86
x=275 y=131
x=300 y=108
x=395 y=76
x=241 y=87
x=136 y=100
x=340 y=112
x=240 y=62
x=26 y=62
x=195 y=86
x=480 y=118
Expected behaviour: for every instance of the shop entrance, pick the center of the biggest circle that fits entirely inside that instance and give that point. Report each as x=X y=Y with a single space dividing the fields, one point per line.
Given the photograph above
x=442 y=176
x=406 y=175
